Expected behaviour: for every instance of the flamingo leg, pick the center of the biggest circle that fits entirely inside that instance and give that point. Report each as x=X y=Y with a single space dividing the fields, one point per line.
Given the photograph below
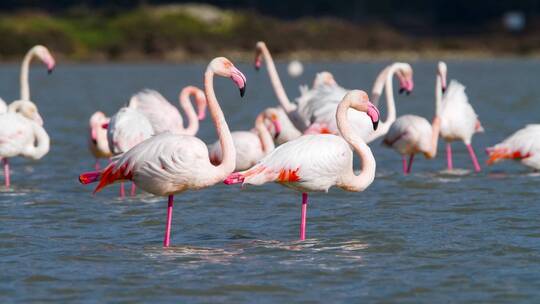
x=473 y=157
x=167 y=238
x=133 y=189
x=6 y=172
x=404 y=161
x=96 y=166
x=122 y=190
x=449 y=156
x=303 y=217
x=411 y=158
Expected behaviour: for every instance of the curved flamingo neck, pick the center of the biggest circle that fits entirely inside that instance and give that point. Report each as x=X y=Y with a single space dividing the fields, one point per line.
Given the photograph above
x=264 y=135
x=228 y=162
x=41 y=147
x=350 y=181
x=25 y=67
x=274 y=78
x=185 y=103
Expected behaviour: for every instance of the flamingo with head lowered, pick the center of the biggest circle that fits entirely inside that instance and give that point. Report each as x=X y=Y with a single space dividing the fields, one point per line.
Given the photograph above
x=458 y=118
x=411 y=134
x=97 y=139
x=251 y=146
x=522 y=146
x=167 y=164
x=314 y=163
x=163 y=116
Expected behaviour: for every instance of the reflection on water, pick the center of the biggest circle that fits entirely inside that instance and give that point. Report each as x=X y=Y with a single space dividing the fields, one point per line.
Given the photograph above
x=433 y=236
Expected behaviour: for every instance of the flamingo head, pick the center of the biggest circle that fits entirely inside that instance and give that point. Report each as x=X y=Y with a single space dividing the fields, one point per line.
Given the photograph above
x=200 y=100
x=259 y=47
x=96 y=122
x=272 y=115
x=324 y=78
x=405 y=76
x=225 y=68
x=360 y=101
x=45 y=56
x=441 y=74
x=27 y=109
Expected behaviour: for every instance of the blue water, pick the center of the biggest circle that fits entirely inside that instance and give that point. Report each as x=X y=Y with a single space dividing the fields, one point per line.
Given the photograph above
x=429 y=237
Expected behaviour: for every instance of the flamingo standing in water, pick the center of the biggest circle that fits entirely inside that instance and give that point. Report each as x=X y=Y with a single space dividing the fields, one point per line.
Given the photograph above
x=411 y=134
x=164 y=116
x=320 y=103
x=127 y=128
x=314 y=163
x=458 y=119
x=21 y=134
x=167 y=164
x=287 y=130
x=28 y=109
x=523 y=146
x=97 y=139
x=251 y=146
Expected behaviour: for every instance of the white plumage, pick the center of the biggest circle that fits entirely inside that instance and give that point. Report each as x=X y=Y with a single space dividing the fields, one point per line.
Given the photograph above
x=127 y=128
x=161 y=114
x=523 y=146
x=410 y=134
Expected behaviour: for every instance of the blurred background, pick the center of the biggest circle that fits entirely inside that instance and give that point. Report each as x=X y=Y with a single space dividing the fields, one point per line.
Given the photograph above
x=98 y=30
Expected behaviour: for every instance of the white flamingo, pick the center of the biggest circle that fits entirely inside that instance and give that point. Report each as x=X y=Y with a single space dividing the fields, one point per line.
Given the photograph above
x=458 y=119
x=320 y=103
x=97 y=137
x=164 y=116
x=251 y=146
x=523 y=146
x=126 y=129
x=411 y=134
x=314 y=163
x=45 y=56
x=288 y=131
x=167 y=164
x=21 y=134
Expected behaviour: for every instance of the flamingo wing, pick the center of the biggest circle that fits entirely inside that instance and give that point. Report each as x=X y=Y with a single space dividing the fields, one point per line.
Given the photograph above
x=523 y=145
x=163 y=116
x=15 y=134
x=409 y=134
x=127 y=128
x=458 y=118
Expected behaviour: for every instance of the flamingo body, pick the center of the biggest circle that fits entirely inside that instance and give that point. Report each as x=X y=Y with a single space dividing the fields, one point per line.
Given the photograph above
x=127 y=128
x=18 y=135
x=410 y=134
x=161 y=114
x=249 y=150
x=523 y=146
x=458 y=118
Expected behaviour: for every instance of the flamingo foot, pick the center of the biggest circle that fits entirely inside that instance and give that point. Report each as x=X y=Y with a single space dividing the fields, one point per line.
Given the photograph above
x=409 y=167
x=167 y=238
x=449 y=156
x=122 y=190
x=303 y=217
x=7 y=180
x=473 y=158
x=404 y=161
x=96 y=166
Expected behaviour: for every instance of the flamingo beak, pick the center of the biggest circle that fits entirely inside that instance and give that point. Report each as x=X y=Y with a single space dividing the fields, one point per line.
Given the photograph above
x=258 y=63
x=240 y=80
x=277 y=127
x=373 y=113
x=105 y=125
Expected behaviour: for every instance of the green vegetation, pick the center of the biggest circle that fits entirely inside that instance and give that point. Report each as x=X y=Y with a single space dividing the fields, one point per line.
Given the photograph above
x=184 y=32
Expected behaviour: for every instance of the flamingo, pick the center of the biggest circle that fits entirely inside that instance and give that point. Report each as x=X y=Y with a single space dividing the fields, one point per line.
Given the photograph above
x=21 y=134
x=251 y=146
x=314 y=163
x=287 y=131
x=127 y=128
x=167 y=164
x=458 y=119
x=97 y=139
x=523 y=145
x=45 y=56
x=164 y=116
x=320 y=103
x=411 y=134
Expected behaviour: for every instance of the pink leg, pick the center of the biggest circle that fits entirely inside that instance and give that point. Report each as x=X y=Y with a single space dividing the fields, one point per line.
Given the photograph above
x=404 y=161
x=303 y=217
x=96 y=166
x=6 y=173
x=133 y=189
x=449 y=156
x=473 y=157
x=122 y=190
x=167 y=238
x=411 y=158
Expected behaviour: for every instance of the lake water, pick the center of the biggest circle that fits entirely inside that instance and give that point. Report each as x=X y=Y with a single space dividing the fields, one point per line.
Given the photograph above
x=425 y=238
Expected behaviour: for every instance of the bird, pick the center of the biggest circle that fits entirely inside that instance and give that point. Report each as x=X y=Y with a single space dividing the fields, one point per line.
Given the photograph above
x=126 y=129
x=164 y=116
x=316 y=162
x=21 y=134
x=287 y=131
x=168 y=163
x=251 y=146
x=523 y=146
x=319 y=104
x=45 y=56
x=458 y=118
x=97 y=137
x=411 y=134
